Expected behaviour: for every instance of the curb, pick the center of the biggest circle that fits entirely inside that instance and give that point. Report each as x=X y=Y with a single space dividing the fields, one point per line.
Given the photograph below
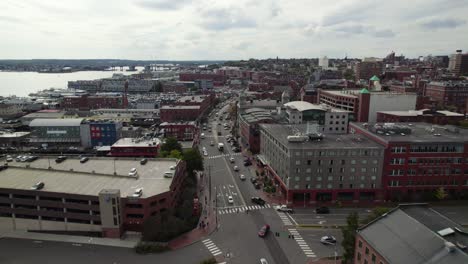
x=320 y=226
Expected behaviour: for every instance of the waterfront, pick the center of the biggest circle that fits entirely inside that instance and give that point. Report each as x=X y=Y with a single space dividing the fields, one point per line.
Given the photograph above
x=24 y=83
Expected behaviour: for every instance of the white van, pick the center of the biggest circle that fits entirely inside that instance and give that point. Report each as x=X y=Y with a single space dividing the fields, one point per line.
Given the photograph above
x=202 y=135
x=168 y=174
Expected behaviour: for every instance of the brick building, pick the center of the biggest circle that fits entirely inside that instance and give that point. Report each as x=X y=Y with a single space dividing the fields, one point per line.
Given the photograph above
x=249 y=126
x=176 y=113
x=95 y=197
x=411 y=234
x=88 y=102
x=183 y=131
x=135 y=147
x=366 y=69
x=419 y=158
x=448 y=94
x=423 y=115
x=217 y=79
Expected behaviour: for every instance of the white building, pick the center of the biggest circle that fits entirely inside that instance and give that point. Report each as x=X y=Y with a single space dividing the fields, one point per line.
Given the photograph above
x=323 y=62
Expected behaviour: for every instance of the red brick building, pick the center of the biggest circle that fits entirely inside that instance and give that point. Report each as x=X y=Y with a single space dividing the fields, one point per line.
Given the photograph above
x=182 y=131
x=424 y=115
x=255 y=87
x=366 y=69
x=419 y=158
x=217 y=79
x=174 y=113
x=135 y=147
x=448 y=94
x=88 y=102
x=249 y=128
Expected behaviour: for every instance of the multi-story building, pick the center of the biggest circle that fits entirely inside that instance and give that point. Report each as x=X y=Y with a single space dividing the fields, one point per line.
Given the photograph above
x=311 y=168
x=411 y=233
x=366 y=69
x=103 y=133
x=249 y=126
x=330 y=120
x=174 y=113
x=88 y=102
x=91 y=86
x=458 y=63
x=135 y=147
x=97 y=196
x=217 y=79
x=365 y=104
x=424 y=115
x=134 y=85
x=182 y=131
x=420 y=158
x=14 y=139
x=42 y=114
x=448 y=94
x=59 y=133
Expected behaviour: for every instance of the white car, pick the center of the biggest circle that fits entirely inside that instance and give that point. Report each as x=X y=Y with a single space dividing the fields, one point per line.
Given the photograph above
x=232 y=160
x=263 y=261
x=205 y=153
x=328 y=240
x=284 y=208
x=230 y=199
x=236 y=168
x=10 y=159
x=242 y=177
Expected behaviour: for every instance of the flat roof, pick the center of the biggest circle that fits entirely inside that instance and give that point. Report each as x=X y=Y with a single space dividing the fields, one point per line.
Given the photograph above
x=135 y=142
x=14 y=134
x=56 y=122
x=41 y=114
x=332 y=141
x=420 y=132
x=81 y=181
x=180 y=107
x=419 y=113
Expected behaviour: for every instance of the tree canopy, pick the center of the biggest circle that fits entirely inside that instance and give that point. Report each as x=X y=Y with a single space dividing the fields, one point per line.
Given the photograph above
x=169 y=145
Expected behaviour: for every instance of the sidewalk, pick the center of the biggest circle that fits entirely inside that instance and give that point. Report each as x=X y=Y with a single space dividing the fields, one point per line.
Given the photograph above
x=208 y=216
x=113 y=242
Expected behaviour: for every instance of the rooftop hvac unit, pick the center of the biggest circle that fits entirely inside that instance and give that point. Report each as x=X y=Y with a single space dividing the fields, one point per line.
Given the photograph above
x=297 y=138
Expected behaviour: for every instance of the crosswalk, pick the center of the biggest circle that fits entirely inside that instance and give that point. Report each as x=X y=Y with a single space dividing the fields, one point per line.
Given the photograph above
x=285 y=219
x=302 y=244
x=241 y=209
x=214 y=250
x=224 y=155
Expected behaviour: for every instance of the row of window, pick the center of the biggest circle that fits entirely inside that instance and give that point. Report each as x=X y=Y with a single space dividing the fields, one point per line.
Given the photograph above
x=48 y=218
x=341 y=170
x=341 y=162
x=428 y=172
x=340 y=178
x=433 y=182
x=340 y=186
x=47 y=198
x=367 y=251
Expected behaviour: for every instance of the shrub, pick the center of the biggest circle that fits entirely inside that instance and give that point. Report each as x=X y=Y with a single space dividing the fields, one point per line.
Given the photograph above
x=148 y=247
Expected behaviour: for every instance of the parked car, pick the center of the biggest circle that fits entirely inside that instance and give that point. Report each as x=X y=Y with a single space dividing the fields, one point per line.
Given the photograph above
x=247 y=163
x=283 y=208
x=263 y=261
x=137 y=193
x=236 y=168
x=258 y=200
x=253 y=179
x=257 y=186
x=38 y=186
x=219 y=133
x=211 y=143
x=143 y=161
x=264 y=230
x=230 y=199
x=3 y=167
x=232 y=160
x=9 y=159
x=84 y=159
x=133 y=172
x=328 y=240
x=242 y=177
x=60 y=159
x=322 y=210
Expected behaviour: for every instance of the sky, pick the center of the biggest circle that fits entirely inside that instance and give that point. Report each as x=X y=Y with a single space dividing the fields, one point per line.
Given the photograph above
x=230 y=30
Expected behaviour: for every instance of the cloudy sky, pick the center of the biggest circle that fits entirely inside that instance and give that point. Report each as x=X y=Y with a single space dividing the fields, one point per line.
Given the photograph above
x=238 y=29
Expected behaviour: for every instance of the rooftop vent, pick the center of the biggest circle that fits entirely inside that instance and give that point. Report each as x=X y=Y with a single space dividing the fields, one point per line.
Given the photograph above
x=446 y=231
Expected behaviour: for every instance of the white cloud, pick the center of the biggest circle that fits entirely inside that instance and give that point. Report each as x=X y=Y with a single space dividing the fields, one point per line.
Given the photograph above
x=222 y=29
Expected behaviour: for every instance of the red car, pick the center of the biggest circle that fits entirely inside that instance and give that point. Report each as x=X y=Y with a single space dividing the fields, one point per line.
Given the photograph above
x=264 y=231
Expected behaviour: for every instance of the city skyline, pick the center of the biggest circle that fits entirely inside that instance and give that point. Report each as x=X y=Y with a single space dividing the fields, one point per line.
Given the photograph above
x=221 y=30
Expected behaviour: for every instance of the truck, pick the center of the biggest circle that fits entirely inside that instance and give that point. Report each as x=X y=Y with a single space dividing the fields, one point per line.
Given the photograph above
x=220 y=146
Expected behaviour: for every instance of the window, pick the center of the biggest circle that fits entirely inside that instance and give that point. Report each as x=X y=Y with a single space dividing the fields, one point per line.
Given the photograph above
x=319 y=178
x=330 y=178
x=360 y=244
x=373 y=258
x=296 y=178
x=341 y=178
x=363 y=169
x=329 y=186
x=364 y=161
x=343 y=162
x=352 y=169
x=363 y=177
x=358 y=256
x=330 y=170
x=318 y=186
x=353 y=161
x=367 y=251
x=361 y=185
x=309 y=162
x=319 y=162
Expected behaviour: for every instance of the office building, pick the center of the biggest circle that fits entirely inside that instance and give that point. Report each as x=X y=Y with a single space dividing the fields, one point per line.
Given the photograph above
x=458 y=63
x=445 y=94
x=309 y=167
x=368 y=68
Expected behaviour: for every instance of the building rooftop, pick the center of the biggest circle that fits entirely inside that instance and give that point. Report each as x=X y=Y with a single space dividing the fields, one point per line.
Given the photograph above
x=304 y=106
x=414 y=132
x=136 y=142
x=56 y=122
x=411 y=236
x=253 y=115
x=192 y=98
x=420 y=112
x=14 y=134
x=82 y=180
x=44 y=114
x=332 y=141
x=180 y=107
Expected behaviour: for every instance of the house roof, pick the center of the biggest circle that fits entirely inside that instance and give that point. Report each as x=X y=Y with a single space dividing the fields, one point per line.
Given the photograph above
x=374 y=78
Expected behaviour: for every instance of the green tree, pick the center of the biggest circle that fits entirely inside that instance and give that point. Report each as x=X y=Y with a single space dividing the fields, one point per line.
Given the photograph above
x=193 y=160
x=171 y=144
x=440 y=193
x=376 y=213
x=175 y=154
x=348 y=74
x=349 y=237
